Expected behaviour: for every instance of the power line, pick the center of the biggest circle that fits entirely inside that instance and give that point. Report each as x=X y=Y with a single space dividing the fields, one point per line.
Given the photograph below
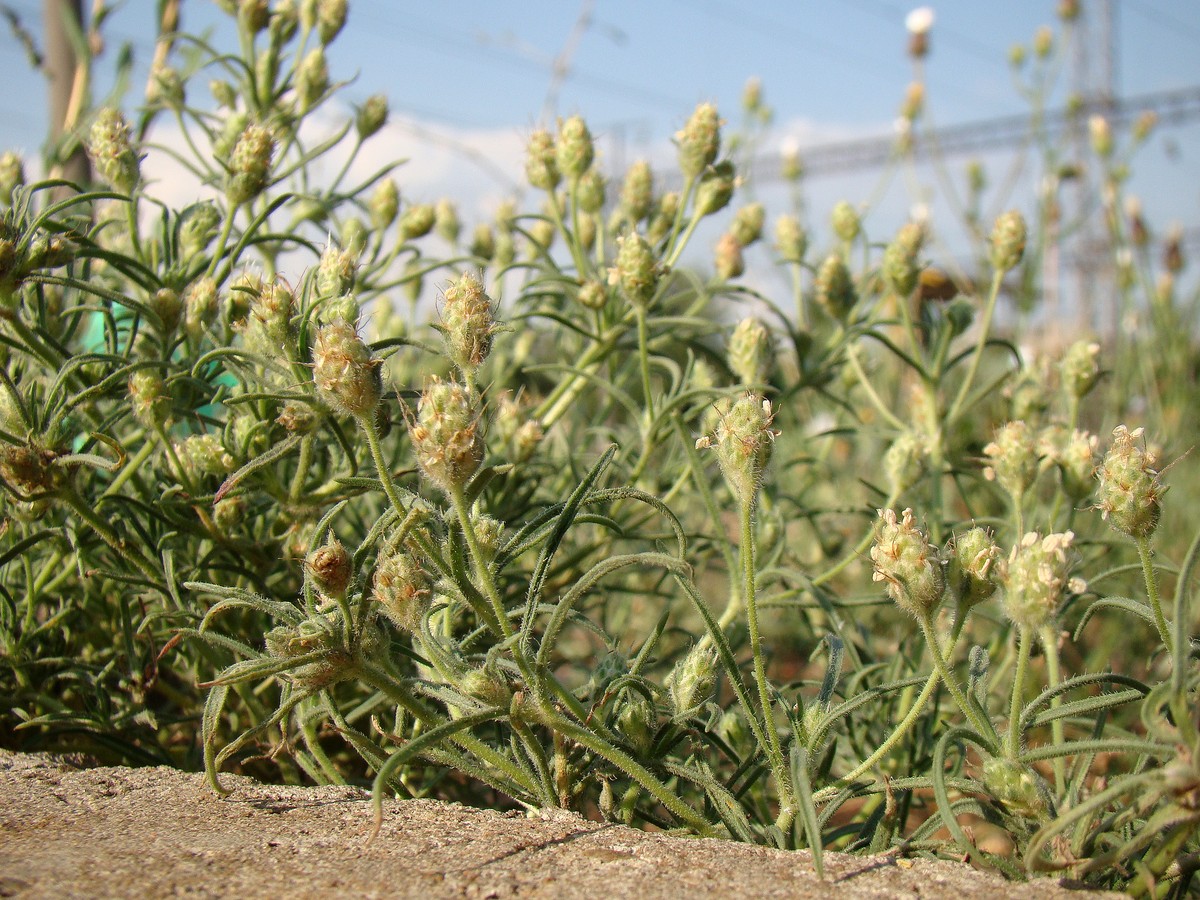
x=1171 y=108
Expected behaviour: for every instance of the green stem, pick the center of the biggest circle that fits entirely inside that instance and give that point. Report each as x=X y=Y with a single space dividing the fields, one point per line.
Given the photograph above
x=1160 y=622
x=644 y=359
x=482 y=572
x=1025 y=640
x=888 y=416
x=980 y=724
x=985 y=329
x=749 y=595
x=367 y=423
x=110 y=537
x=1054 y=678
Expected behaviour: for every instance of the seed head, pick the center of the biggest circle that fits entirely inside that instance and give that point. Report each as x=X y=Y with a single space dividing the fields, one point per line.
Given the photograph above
x=743 y=441
x=1014 y=458
x=370 y=118
x=329 y=17
x=1008 y=241
x=1130 y=494
x=637 y=270
x=593 y=294
x=700 y=141
x=1080 y=368
x=111 y=150
x=972 y=566
x=541 y=166
x=909 y=565
x=29 y=470
x=250 y=164
x=447 y=435
x=637 y=192
x=1017 y=786
x=1035 y=577
x=330 y=568
x=574 y=151
x=205 y=453
x=834 y=288
x=750 y=352
x=716 y=188
x=483 y=242
x=468 y=323
x=402 y=587
x=791 y=240
x=336 y=271
x=346 y=376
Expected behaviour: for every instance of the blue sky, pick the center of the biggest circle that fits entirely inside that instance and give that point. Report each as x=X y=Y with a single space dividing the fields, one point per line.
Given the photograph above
x=472 y=77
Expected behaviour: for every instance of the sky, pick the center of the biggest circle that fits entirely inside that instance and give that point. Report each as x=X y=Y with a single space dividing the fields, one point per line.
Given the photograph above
x=469 y=79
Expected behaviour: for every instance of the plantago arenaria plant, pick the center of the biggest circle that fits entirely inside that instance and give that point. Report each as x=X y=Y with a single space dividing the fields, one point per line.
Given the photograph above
x=258 y=518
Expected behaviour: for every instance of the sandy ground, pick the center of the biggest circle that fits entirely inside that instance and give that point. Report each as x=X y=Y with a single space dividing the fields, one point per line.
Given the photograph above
x=112 y=832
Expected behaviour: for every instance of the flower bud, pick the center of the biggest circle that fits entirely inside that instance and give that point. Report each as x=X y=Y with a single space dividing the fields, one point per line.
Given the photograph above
x=446 y=222
x=716 y=188
x=1043 y=42
x=402 y=587
x=1035 y=577
x=1130 y=495
x=750 y=352
x=972 y=567
x=488 y=685
x=693 y=680
x=1074 y=453
x=900 y=264
x=908 y=563
x=336 y=271
x=312 y=79
x=747 y=224
x=228 y=514
x=1008 y=241
x=700 y=141
x=250 y=164
x=483 y=242
x=792 y=166
x=200 y=306
x=591 y=191
x=637 y=271
x=846 y=221
x=467 y=323
x=12 y=175
x=223 y=92
x=298 y=417
x=637 y=192
x=330 y=568
x=919 y=22
x=383 y=204
x=743 y=441
x=1100 y=133
x=574 y=151
x=148 y=394
x=541 y=236
x=904 y=461
x=253 y=15
x=271 y=310
x=520 y=434
x=446 y=434
x=1014 y=458
x=370 y=118
x=204 y=453
x=416 y=221
x=834 y=289
x=791 y=240
x=663 y=217
x=1017 y=786
x=1080 y=368
x=728 y=261
x=29 y=470
x=346 y=376
x=593 y=294
x=197 y=227
x=330 y=19
x=541 y=167
x=111 y=151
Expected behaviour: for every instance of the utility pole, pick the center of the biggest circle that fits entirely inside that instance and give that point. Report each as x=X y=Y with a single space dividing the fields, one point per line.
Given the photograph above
x=64 y=83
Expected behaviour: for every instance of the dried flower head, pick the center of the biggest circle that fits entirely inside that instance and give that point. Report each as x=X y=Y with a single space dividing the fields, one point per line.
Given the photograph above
x=346 y=375
x=907 y=563
x=330 y=567
x=728 y=261
x=468 y=323
x=447 y=435
x=1130 y=493
x=1035 y=577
